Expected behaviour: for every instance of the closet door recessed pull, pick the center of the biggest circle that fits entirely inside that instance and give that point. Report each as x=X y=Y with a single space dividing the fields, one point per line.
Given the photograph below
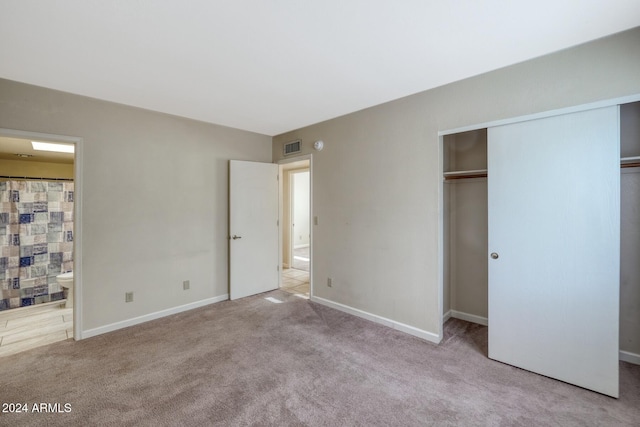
x=494 y=255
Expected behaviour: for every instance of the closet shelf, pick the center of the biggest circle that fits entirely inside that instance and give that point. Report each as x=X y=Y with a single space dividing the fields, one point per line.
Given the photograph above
x=625 y=162
x=630 y=162
x=478 y=173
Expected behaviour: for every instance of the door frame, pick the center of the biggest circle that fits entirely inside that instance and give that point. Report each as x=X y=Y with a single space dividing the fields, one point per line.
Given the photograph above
x=282 y=163
x=441 y=188
x=77 y=214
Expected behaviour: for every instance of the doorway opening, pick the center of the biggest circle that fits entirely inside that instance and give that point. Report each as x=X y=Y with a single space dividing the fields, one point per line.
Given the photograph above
x=295 y=217
x=39 y=250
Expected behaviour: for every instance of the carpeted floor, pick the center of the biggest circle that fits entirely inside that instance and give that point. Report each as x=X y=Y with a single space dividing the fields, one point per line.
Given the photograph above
x=255 y=362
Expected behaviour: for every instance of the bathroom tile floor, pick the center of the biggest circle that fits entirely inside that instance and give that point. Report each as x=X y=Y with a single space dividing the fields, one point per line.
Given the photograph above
x=295 y=282
x=25 y=328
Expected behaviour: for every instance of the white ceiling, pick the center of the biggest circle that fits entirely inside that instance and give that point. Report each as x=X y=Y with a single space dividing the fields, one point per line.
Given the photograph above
x=271 y=66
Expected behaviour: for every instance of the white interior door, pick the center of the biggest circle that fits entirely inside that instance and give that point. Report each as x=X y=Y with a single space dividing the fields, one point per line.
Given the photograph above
x=554 y=224
x=253 y=228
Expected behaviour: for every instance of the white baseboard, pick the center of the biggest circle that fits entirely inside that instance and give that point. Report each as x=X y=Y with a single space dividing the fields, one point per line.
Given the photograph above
x=624 y=356
x=304 y=245
x=468 y=317
x=151 y=316
x=627 y=356
x=425 y=335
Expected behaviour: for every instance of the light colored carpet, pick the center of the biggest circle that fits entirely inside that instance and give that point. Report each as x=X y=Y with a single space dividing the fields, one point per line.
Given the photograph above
x=253 y=362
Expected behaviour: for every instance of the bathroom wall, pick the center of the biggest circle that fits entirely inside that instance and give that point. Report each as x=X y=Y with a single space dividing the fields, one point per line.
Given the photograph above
x=23 y=168
x=286 y=174
x=300 y=184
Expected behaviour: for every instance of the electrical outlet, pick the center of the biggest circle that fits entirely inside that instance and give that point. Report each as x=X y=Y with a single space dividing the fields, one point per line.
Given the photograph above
x=186 y=285
x=128 y=297
x=330 y=282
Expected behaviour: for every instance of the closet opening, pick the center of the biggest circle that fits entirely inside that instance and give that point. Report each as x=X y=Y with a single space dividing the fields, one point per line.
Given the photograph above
x=630 y=232
x=465 y=229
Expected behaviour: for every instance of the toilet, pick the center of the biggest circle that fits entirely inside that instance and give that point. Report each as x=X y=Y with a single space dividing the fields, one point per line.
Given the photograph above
x=65 y=280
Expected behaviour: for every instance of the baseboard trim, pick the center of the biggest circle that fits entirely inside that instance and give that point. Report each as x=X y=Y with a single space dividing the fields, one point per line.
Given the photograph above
x=151 y=316
x=468 y=317
x=624 y=356
x=411 y=330
x=627 y=356
x=305 y=245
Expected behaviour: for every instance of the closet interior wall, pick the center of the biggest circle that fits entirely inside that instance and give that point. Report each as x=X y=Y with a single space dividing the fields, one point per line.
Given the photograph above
x=466 y=229
x=465 y=226
x=630 y=232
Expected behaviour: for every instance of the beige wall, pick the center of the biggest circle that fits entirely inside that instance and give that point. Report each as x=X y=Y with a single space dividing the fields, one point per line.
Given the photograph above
x=23 y=168
x=376 y=183
x=154 y=198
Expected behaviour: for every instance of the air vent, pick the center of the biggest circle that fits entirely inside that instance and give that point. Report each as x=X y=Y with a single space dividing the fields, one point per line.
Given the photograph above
x=292 y=147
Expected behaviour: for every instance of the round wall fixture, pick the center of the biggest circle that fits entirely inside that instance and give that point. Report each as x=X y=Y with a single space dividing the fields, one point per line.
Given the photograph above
x=318 y=145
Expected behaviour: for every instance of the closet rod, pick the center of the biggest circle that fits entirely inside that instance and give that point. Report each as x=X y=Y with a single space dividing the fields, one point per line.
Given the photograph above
x=630 y=165
x=35 y=178
x=484 y=175
x=475 y=175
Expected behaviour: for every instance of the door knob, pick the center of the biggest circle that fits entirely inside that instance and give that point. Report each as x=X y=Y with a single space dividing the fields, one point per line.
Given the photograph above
x=236 y=237
x=494 y=255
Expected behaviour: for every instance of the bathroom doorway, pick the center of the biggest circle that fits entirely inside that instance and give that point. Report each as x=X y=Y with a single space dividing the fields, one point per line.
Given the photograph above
x=38 y=221
x=296 y=228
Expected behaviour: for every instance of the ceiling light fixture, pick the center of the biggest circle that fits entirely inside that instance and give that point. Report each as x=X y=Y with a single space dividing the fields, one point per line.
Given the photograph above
x=49 y=146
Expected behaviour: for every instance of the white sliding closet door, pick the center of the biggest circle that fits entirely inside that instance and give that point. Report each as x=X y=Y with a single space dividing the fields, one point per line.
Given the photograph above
x=554 y=225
